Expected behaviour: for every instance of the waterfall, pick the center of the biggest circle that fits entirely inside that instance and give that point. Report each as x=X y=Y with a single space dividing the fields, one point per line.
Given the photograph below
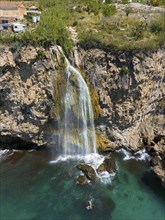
x=77 y=124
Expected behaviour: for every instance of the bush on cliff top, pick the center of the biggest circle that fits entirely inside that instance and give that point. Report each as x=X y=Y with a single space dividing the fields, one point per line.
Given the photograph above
x=123 y=32
x=97 y=24
x=50 y=30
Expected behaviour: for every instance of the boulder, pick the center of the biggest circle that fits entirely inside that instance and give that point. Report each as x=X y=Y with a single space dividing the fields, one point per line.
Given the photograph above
x=88 y=171
x=108 y=165
x=82 y=180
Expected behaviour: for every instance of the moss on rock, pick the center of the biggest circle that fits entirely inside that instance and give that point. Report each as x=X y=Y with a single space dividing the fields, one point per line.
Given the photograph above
x=103 y=143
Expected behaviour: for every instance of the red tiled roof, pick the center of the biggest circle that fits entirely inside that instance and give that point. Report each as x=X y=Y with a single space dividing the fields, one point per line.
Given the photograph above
x=10 y=5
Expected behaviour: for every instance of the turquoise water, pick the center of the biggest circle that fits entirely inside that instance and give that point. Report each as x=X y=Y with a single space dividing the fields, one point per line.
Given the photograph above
x=32 y=188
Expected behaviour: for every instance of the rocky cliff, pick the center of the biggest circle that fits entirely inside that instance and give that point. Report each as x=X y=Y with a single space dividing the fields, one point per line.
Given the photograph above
x=131 y=92
x=26 y=77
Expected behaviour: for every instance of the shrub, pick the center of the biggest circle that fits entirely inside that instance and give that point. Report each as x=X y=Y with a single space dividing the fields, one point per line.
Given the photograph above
x=109 y=10
x=125 y=1
x=124 y=70
x=40 y=55
x=16 y=46
x=157 y=2
x=94 y=7
x=88 y=39
x=158 y=25
x=128 y=10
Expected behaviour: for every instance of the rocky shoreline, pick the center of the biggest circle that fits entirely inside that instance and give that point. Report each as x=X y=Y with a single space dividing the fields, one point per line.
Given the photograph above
x=131 y=92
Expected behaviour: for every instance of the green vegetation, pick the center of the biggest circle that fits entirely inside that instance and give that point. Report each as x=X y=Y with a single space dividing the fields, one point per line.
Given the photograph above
x=124 y=70
x=120 y=31
x=40 y=55
x=50 y=30
x=157 y=2
x=59 y=87
x=128 y=10
x=97 y=24
x=98 y=111
x=103 y=143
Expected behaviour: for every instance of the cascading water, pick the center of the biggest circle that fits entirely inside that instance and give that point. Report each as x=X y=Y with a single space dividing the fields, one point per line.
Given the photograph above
x=77 y=124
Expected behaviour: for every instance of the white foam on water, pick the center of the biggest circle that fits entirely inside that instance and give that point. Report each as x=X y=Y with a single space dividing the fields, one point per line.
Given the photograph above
x=127 y=154
x=106 y=178
x=7 y=153
x=142 y=155
x=90 y=204
x=4 y=154
x=139 y=155
x=92 y=159
x=63 y=158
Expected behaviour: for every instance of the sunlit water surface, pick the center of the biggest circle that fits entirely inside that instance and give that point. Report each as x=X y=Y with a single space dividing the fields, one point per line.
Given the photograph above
x=36 y=185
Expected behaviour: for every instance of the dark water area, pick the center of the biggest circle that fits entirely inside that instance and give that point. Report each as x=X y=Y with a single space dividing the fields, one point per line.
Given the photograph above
x=32 y=188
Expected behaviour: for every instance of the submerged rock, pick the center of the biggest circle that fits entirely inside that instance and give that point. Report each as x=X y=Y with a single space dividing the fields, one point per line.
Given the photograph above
x=108 y=165
x=90 y=204
x=88 y=171
x=69 y=173
x=82 y=180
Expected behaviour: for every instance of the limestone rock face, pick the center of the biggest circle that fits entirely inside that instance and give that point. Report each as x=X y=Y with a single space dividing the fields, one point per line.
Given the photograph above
x=131 y=90
x=25 y=94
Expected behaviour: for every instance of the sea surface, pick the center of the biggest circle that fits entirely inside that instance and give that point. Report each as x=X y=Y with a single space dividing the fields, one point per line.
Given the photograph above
x=38 y=185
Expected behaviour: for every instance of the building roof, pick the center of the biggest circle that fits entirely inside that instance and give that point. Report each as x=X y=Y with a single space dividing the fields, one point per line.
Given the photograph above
x=11 y=5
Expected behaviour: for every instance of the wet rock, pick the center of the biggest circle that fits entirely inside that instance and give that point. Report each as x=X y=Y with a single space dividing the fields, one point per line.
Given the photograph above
x=108 y=165
x=160 y=172
x=69 y=173
x=90 y=204
x=157 y=151
x=82 y=180
x=156 y=161
x=88 y=171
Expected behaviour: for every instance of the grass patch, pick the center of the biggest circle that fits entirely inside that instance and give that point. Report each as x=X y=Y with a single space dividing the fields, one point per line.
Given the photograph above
x=123 y=32
x=98 y=25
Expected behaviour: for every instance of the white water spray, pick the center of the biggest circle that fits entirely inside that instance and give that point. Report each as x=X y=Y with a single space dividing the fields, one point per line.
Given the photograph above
x=78 y=122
